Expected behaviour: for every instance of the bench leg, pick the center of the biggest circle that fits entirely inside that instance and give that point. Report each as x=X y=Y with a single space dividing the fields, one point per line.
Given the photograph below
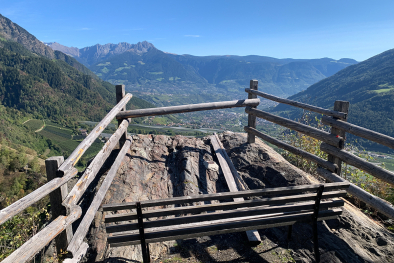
x=144 y=245
x=289 y=233
x=316 y=242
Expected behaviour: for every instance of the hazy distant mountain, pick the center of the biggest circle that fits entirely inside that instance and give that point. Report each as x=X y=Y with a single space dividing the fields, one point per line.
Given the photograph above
x=147 y=71
x=91 y=55
x=368 y=86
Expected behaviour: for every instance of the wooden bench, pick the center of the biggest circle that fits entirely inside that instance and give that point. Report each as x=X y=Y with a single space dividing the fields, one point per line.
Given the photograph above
x=281 y=206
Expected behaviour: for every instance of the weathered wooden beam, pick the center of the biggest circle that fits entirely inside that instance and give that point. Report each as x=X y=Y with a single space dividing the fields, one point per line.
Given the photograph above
x=320 y=161
x=94 y=134
x=223 y=206
x=227 y=195
x=187 y=108
x=31 y=247
x=56 y=197
x=342 y=106
x=253 y=235
x=296 y=126
x=360 y=163
x=94 y=167
x=36 y=195
x=212 y=228
x=225 y=215
x=340 y=115
x=120 y=93
x=371 y=200
x=240 y=182
x=360 y=131
x=79 y=254
x=252 y=118
x=83 y=227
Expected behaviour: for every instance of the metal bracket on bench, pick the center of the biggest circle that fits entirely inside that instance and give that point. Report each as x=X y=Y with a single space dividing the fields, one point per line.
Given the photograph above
x=144 y=245
x=314 y=221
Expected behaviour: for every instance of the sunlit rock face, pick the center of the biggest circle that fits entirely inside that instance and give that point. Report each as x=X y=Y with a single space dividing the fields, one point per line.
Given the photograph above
x=158 y=166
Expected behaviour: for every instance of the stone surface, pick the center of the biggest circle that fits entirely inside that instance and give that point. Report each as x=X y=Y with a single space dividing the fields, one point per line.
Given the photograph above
x=161 y=167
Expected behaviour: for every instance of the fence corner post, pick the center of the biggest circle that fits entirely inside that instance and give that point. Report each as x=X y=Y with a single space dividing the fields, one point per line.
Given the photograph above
x=341 y=106
x=120 y=93
x=56 y=198
x=251 y=118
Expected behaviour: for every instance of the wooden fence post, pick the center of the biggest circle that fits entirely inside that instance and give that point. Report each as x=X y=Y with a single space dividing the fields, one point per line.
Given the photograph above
x=56 y=198
x=341 y=106
x=120 y=93
x=252 y=118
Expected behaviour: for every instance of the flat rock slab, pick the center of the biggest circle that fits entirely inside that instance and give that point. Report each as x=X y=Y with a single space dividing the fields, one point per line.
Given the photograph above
x=159 y=166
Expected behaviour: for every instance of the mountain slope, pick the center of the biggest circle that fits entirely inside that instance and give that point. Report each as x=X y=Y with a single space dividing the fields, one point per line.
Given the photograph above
x=12 y=31
x=368 y=86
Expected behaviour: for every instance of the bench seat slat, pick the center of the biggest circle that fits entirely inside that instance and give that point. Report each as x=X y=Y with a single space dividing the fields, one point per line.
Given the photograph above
x=223 y=206
x=227 y=195
x=212 y=228
x=226 y=214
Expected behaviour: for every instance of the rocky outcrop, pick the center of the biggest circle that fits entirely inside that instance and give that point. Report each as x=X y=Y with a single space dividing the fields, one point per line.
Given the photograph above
x=14 y=32
x=161 y=167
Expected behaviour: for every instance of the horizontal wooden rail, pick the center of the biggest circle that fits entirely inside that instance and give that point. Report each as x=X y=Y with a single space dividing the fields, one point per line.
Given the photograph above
x=233 y=225
x=360 y=163
x=225 y=215
x=42 y=238
x=94 y=134
x=83 y=227
x=223 y=206
x=337 y=114
x=227 y=195
x=320 y=161
x=35 y=196
x=360 y=131
x=187 y=108
x=377 y=203
x=296 y=126
x=94 y=167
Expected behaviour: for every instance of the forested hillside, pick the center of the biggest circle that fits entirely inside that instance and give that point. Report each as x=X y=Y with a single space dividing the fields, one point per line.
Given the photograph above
x=368 y=86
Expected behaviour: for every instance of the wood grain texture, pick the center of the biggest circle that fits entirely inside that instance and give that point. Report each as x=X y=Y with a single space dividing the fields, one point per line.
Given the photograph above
x=377 y=203
x=94 y=134
x=253 y=235
x=296 y=126
x=36 y=195
x=223 y=206
x=340 y=115
x=320 y=161
x=56 y=198
x=83 y=227
x=120 y=93
x=251 y=118
x=264 y=210
x=360 y=163
x=342 y=106
x=187 y=108
x=94 y=167
x=227 y=195
x=360 y=131
x=231 y=226
x=31 y=247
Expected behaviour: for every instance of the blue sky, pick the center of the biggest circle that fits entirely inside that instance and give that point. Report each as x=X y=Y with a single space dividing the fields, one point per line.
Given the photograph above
x=282 y=29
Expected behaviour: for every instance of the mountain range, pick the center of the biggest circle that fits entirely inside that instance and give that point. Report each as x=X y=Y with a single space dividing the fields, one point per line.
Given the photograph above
x=165 y=78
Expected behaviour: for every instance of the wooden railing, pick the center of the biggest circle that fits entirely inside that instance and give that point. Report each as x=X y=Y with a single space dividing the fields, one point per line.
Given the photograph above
x=64 y=204
x=65 y=209
x=332 y=143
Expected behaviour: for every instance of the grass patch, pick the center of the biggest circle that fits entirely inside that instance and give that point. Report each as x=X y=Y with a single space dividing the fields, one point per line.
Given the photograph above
x=34 y=124
x=156 y=73
x=383 y=90
x=104 y=70
x=142 y=63
x=104 y=64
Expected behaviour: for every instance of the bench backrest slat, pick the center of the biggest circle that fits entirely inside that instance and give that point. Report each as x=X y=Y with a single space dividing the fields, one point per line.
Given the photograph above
x=266 y=211
x=223 y=206
x=232 y=225
x=227 y=195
